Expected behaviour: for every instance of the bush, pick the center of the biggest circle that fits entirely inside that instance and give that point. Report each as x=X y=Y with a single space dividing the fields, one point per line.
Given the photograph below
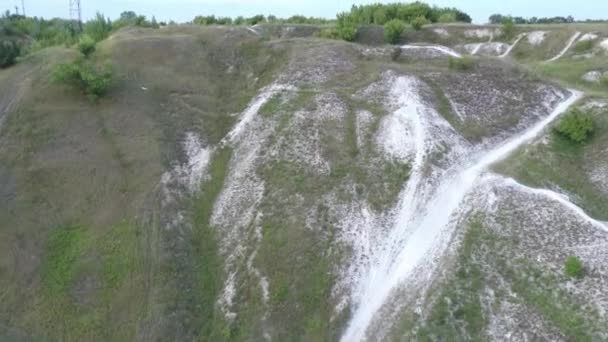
x=447 y=18
x=98 y=28
x=86 y=45
x=461 y=64
x=9 y=51
x=574 y=267
x=508 y=28
x=418 y=22
x=393 y=30
x=346 y=27
x=604 y=81
x=577 y=126
x=84 y=76
x=583 y=46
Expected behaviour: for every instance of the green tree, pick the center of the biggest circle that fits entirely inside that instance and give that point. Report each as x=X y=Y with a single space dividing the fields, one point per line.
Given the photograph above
x=508 y=28
x=576 y=125
x=346 y=27
x=9 y=51
x=86 y=45
x=82 y=75
x=574 y=267
x=98 y=28
x=393 y=30
x=419 y=22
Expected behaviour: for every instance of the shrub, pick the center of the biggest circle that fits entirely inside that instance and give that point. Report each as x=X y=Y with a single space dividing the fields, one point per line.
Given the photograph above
x=447 y=18
x=393 y=30
x=98 y=28
x=576 y=126
x=508 y=28
x=583 y=46
x=9 y=51
x=574 y=267
x=604 y=81
x=461 y=64
x=346 y=27
x=84 y=76
x=418 y=22
x=86 y=45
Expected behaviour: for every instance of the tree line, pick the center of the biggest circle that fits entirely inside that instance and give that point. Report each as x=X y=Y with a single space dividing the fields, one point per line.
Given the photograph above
x=499 y=19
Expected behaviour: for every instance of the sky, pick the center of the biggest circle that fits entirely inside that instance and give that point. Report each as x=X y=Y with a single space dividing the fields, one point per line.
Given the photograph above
x=185 y=10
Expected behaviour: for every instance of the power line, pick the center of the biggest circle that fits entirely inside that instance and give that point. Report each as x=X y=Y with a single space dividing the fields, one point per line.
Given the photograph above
x=75 y=12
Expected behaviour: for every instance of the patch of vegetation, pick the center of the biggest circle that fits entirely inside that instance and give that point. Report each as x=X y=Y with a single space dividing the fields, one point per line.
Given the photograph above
x=9 y=51
x=508 y=28
x=576 y=125
x=461 y=64
x=540 y=289
x=346 y=27
x=583 y=46
x=573 y=266
x=458 y=313
x=64 y=248
x=86 y=45
x=419 y=22
x=85 y=77
x=210 y=276
x=393 y=30
x=271 y=106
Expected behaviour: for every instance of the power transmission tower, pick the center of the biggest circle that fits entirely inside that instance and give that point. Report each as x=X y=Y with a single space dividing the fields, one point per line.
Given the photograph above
x=75 y=13
x=23 y=7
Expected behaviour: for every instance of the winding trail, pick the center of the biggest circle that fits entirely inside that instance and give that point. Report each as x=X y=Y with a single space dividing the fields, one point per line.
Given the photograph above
x=443 y=49
x=422 y=221
x=561 y=199
x=566 y=48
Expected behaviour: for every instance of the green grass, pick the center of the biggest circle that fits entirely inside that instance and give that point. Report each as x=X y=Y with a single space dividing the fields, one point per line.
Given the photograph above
x=569 y=73
x=458 y=313
x=560 y=163
x=64 y=249
x=537 y=288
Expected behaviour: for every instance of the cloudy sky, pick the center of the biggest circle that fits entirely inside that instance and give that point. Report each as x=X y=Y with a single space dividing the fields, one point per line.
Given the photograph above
x=185 y=10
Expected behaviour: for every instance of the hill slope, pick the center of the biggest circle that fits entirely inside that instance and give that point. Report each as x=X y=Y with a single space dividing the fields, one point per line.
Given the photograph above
x=249 y=184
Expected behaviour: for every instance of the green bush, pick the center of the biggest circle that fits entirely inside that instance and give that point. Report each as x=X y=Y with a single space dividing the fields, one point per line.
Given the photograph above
x=508 y=28
x=574 y=267
x=576 y=125
x=604 y=81
x=9 y=51
x=418 y=22
x=461 y=64
x=346 y=27
x=98 y=28
x=84 y=76
x=583 y=46
x=393 y=30
x=86 y=45
x=447 y=18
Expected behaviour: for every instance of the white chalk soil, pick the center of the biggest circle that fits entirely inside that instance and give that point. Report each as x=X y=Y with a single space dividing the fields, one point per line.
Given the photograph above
x=426 y=209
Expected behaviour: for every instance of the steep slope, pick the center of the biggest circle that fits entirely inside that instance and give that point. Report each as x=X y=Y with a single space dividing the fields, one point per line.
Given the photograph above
x=262 y=184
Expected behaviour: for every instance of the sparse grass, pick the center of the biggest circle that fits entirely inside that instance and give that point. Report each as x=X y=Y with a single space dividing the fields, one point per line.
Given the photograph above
x=584 y=46
x=65 y=248
x=461 y=64
x=458 y=313
x=271 y=106
x=573 y=267
x=562 y=163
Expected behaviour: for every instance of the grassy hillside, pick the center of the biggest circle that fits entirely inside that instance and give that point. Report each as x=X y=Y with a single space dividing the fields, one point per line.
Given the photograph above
x=100 y=238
